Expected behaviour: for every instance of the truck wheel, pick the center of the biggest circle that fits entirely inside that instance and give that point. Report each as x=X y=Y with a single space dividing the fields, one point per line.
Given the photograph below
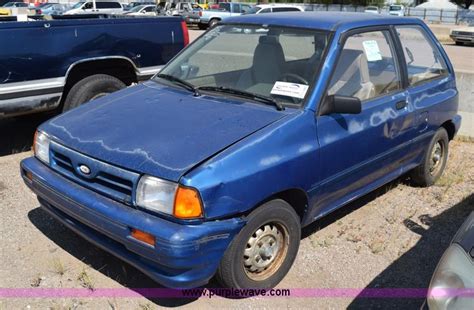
x=434 y=160
x=213 y=22
x=459 y=43
x=202 y=26
x=90 y=88
x=264 y=250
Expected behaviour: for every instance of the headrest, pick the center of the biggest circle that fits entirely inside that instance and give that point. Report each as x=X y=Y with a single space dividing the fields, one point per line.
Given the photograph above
x=269 y=39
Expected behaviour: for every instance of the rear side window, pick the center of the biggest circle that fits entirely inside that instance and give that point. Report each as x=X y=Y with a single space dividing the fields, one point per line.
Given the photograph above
x=285 y=10
x=366 y=67
x=265 y=11
x=108 y=5
x=424 y=62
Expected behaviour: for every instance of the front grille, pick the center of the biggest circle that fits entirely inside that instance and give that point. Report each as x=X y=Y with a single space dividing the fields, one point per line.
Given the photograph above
x=106 y=179
x=464 y=33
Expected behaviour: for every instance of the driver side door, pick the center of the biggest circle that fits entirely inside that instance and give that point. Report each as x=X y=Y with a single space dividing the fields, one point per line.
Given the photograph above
x=360 y=152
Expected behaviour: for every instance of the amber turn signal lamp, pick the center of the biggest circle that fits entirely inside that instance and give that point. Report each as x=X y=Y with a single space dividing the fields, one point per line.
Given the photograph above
x=187 y=203
x=143 y=236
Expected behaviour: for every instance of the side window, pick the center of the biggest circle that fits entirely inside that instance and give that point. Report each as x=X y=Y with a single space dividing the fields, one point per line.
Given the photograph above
x=235 y=7
x=88 y=6
x=268 y=10
x=285 y=9
x=423 y=59
x=246 y=8
x=366 y=67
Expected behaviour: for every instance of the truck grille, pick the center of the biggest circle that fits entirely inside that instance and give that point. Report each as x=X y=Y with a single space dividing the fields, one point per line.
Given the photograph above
x=106 y=179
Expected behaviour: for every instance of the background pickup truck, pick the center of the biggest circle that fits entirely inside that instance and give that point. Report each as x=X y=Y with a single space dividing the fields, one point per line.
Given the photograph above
x=60 y=64
x=209 y=18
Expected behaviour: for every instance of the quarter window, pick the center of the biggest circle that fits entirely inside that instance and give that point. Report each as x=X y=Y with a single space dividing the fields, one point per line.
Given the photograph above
x=423 y=59
x=366 y=67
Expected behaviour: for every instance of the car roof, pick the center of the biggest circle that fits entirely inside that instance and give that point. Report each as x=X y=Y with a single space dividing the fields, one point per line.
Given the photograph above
x=322 y=20
x=277 y=5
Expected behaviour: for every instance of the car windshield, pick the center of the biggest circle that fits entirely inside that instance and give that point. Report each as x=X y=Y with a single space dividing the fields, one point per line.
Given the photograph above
x=395 y=8
x=371 y=8
x=253 y=10
x=137 y=8
x=78 y=5
x=9 y=4
x=279 y=63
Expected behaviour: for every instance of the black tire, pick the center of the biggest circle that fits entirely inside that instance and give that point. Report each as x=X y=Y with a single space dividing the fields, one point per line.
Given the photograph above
x=91 y=87
x=431 y=169
x=213 y=22
x=202 y=26
x=459 y=43
x=235 y=267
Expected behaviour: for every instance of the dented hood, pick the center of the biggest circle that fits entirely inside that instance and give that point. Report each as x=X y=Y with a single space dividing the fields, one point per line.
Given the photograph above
x=158 y=130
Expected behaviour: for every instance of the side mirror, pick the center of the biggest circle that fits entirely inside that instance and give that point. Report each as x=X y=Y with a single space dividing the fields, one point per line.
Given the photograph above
x=341 y=105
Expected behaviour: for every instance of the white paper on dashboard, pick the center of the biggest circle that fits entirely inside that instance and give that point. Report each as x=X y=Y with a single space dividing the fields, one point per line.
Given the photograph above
x=294 y=90
x=372 y=50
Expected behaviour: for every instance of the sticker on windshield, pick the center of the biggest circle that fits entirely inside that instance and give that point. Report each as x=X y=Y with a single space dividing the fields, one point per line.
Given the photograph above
x=372 y=50
x=289 y=89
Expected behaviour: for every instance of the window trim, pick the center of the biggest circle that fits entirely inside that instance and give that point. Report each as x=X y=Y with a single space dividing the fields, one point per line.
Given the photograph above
x=342 y=41
x=434 y=46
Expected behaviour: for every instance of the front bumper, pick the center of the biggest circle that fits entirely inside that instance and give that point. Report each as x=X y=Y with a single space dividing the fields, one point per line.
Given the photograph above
x=462 y=38
x=184 y=255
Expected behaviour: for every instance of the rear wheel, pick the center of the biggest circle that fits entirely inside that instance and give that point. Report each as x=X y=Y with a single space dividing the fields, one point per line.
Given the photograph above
x=90 y=88
x=213 y=23
x=264 y=250
x=434 y=162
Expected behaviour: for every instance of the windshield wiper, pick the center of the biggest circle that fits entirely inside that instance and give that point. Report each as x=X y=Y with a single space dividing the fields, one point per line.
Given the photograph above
x=243 y=93
x=180 y=82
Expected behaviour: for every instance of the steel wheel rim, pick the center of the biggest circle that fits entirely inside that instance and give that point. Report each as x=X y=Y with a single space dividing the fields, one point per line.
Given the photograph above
x=99 y=95
x=265 y=251
x=436 y=158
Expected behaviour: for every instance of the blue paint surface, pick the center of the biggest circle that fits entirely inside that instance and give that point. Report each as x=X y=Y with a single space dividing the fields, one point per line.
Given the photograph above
x=239 y=153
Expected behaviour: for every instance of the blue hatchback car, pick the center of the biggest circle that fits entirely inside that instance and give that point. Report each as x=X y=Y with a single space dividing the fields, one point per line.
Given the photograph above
x=258 y=128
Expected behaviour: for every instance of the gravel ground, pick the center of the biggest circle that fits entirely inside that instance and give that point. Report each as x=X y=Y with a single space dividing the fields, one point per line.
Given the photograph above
x=390 y=238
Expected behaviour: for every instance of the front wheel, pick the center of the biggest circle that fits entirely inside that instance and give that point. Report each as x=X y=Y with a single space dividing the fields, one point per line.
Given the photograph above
x=264 y=250
x=434 y=161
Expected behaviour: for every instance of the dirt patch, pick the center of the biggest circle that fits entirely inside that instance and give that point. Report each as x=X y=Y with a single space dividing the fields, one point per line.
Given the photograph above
x=390 y=238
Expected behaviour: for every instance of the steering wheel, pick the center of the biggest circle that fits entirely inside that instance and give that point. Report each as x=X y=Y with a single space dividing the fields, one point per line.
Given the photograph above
x=291 y=77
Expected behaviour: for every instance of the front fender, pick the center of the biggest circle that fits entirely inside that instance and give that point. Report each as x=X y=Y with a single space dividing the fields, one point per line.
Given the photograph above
x=279 y=157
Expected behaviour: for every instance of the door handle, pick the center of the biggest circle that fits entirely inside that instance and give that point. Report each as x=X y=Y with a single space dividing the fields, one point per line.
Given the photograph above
x=401 y=105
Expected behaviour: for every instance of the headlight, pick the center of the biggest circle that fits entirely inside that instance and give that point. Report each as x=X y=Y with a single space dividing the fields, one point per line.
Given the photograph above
x=168 y=197
x=452 y=279
x=41 y=146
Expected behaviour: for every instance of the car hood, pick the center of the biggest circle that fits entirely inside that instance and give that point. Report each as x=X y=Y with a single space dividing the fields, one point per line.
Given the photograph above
x=158 y=130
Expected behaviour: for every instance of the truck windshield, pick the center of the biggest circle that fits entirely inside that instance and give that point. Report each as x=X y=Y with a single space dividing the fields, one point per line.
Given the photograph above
x=279 y=63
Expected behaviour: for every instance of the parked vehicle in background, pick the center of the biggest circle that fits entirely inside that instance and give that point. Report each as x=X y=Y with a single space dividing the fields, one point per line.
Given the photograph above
x=60 y=64
x=464 y=35
x=15 y=5
x=273 y=8
x=52 y=9
x=143 y=10
x=396 y=10
x=209 y=18
x=101 y=7
x=189 y=11
x=455 y=272
x=372 y=9
x=249 y=134
x=131 y=5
